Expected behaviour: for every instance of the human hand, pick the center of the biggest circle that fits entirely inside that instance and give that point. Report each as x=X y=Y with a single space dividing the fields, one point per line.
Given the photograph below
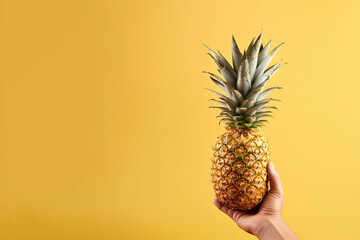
x=265 y=222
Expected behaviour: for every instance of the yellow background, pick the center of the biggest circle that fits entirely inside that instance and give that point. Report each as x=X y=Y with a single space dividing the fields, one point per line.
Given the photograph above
x=106 y=131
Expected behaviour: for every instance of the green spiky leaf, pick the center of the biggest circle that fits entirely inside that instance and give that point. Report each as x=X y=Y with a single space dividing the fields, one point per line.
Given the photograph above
x=242 y=104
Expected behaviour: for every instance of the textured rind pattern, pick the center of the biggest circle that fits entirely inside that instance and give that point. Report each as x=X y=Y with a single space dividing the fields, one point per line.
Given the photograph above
x=239 y=169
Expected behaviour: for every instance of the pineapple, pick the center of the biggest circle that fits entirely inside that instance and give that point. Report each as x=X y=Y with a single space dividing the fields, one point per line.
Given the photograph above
x=241 y=154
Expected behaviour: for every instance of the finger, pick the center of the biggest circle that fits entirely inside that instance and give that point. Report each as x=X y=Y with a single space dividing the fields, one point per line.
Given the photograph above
x=241 y=214
x=230 y=212
x=275 y=182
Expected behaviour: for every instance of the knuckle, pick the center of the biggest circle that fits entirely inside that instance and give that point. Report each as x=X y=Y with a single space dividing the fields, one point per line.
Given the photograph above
x=280 y=191
x=278 y=178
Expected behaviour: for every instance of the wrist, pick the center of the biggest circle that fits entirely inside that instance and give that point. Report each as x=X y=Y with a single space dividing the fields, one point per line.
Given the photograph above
x=276 y=228
x=271 y=227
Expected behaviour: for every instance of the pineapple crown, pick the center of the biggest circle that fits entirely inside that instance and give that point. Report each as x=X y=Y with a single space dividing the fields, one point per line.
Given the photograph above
x=243 y=106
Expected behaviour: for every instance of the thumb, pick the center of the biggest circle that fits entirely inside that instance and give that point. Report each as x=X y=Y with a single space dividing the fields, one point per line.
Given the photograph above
x=275 y=182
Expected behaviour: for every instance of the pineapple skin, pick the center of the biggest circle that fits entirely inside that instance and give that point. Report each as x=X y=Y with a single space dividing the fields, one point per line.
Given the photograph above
x=239 y=169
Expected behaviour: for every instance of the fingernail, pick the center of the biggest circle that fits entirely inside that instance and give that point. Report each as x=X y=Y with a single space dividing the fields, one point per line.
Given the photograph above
x=271 y=165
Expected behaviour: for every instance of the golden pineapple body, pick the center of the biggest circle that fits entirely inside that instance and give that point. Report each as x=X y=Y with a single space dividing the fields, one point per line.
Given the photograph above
x=239 y=170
